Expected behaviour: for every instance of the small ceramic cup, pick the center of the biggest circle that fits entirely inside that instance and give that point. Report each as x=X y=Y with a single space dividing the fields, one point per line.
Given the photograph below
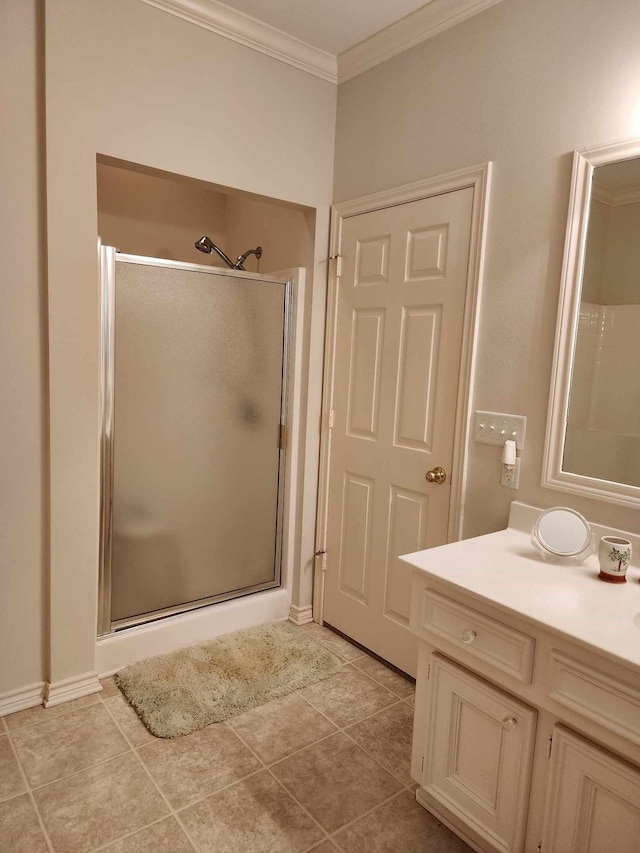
x=614 y=554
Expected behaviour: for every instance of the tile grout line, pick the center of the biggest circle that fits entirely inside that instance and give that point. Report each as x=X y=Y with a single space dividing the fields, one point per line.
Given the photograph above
x=155 y=785
x=29 y=791
x=343 y=730
x=284 y=787
x=56 y=716
x=366 y=814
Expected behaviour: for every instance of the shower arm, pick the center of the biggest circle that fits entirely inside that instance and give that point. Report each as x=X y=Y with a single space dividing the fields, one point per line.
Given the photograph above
x=239 y=264
x=224 y=256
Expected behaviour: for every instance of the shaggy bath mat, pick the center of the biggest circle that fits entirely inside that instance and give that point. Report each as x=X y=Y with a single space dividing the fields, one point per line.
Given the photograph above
x=177 y=694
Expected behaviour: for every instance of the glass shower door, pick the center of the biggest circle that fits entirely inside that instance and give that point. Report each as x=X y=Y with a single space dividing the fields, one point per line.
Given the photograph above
x=198 y=371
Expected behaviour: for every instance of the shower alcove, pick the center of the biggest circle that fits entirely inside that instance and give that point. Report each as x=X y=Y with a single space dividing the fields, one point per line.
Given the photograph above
x=201 y=528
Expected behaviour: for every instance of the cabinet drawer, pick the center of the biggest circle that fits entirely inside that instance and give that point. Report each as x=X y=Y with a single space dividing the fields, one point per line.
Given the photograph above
x=502 y=647
x=600 y=698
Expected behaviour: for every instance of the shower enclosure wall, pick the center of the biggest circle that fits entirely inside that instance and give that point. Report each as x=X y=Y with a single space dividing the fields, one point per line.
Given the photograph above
x=194 y=405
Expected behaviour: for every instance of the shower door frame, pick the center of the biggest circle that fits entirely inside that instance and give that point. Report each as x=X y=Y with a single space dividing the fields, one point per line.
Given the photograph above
x=109 y=257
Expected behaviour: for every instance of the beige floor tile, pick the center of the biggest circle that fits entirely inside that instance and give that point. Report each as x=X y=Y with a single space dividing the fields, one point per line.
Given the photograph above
x=190 y=767
x=166 y=836
x=40 y=714
x=99 y=805
x=400 y=825
x=109 y=687
x=281 y=727
x=387 y=737
x=411 y=701
x=326 y=847
x=343 y=648
x=20 y=830
x=348 y=696
x=128 y=720
x=66 y=744
x=11 y=780
x=254 y=816
x=386 y=676
x=335 y=781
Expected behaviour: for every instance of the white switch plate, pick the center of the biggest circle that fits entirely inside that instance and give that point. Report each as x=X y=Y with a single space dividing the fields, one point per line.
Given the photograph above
x=496 y=428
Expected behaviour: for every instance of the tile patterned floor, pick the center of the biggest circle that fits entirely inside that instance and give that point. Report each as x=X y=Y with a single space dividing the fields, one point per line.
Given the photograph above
x=325 y=769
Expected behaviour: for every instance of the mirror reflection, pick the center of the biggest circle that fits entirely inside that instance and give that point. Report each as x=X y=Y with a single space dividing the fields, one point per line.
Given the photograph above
x=603 y=421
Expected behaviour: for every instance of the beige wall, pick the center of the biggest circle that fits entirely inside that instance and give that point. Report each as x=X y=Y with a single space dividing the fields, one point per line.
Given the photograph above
x=621 y=274
x=522 y=84
x=595 y=253
x=143 y=214
x=285 y=233
x=23 y=444
x=145 y=87
x=612 y=258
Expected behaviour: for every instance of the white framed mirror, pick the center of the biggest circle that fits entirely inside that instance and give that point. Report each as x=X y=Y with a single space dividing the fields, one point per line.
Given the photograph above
x=593 y=426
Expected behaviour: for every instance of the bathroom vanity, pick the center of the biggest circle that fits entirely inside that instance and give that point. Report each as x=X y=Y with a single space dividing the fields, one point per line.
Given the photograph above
x=527 y=720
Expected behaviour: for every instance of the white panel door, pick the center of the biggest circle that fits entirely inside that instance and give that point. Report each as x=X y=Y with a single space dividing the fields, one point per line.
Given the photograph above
x=593 y=800
x=400 y=312
x=478 y=754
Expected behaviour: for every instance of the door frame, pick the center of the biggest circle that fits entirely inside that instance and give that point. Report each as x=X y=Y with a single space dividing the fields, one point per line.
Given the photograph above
x=479 y=179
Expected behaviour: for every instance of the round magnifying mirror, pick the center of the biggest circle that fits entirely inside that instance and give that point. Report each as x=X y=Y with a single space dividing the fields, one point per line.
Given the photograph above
x=563 y=532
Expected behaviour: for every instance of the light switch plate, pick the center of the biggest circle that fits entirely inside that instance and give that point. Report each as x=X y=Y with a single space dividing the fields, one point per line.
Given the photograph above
x=497 y=427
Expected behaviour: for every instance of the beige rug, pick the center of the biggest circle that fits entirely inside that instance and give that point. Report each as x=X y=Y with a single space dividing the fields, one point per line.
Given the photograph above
x=177 y=694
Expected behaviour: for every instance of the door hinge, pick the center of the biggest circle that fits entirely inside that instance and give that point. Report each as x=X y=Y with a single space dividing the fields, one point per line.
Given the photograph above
x=338 y=260
x=550 y=746
x=323 y=562
x=331 y=418
x=422 y=765
x=540 y=847
x=282 y=441
x=428 y=671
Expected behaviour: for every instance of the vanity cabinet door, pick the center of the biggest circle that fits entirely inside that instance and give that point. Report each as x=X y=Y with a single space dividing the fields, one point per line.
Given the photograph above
x=478 y=755
x=593 y=799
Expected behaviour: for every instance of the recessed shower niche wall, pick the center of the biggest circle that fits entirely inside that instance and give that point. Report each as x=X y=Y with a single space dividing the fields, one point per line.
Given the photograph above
x=195 y=391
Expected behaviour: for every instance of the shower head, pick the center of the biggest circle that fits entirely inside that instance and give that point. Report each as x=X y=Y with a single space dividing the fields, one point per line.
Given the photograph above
x=204 y=244
x=207 y=246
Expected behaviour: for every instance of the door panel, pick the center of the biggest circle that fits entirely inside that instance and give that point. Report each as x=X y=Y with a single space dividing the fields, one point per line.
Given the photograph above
x=593 y=801
x=478 y=754
x=400 y=314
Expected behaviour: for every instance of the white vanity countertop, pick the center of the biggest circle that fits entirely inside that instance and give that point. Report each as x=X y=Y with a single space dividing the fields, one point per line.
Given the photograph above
x=505 y=570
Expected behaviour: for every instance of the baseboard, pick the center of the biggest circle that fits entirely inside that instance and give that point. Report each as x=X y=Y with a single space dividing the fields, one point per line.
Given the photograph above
x=300 y=615
x=71 y=688
x=22 y=698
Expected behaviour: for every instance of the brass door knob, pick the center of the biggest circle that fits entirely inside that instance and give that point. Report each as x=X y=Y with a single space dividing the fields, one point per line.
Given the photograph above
x=436 y=475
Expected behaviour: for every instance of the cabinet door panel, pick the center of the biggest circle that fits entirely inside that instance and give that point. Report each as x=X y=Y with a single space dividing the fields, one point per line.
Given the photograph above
x=478 y=754
x=593 y=799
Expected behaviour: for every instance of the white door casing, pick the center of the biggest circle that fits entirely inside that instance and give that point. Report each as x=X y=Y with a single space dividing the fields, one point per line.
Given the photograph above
x=405 y=288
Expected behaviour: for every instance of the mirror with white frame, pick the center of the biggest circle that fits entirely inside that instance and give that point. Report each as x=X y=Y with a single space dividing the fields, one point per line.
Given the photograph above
x=593 y=429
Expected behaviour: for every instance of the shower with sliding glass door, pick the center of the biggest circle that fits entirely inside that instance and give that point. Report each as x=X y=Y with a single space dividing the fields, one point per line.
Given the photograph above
x=194 y=411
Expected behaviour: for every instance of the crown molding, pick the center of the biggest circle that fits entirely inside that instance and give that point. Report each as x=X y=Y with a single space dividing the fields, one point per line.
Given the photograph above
x=614 y=199
x=241 y=28
x=419 y=26
x=423 y=24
